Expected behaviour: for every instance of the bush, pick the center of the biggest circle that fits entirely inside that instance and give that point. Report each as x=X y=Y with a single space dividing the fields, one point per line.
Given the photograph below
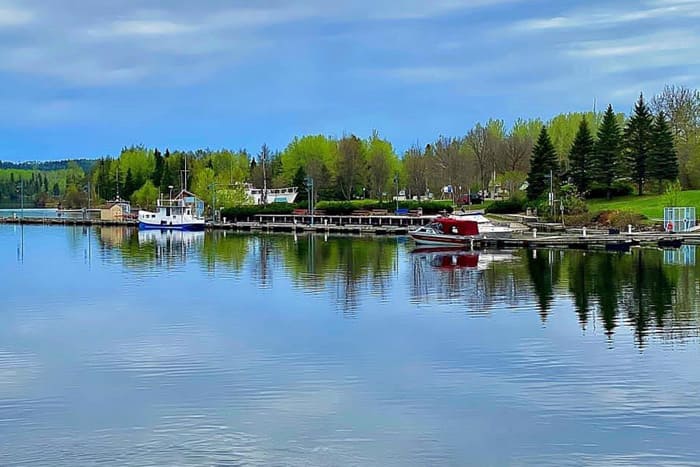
x=239 y=212
x=347 y=207
x=617 y=189
x=619 y=219
x=511 y=205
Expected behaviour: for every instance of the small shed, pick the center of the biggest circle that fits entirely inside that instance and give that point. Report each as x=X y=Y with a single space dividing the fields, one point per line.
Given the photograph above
x=115 y=210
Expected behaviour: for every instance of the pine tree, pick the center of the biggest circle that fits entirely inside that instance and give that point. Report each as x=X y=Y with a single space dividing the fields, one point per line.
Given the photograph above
x=299 y=181
x=56 y=190
x=607 y=153
x=543 y=163
x=663 y=163
x=638 y=142
x=580 y=158
x=129 y=185
x=158 y=169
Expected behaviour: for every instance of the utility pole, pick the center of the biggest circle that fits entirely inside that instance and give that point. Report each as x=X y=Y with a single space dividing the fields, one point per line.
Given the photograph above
x=396 y=181
x=551 y=190
x=263 y=160
x=213 y=201
x=310 y=184
x=21 y=198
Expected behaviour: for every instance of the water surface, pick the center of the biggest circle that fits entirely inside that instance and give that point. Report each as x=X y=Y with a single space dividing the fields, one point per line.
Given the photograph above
x=120 y=347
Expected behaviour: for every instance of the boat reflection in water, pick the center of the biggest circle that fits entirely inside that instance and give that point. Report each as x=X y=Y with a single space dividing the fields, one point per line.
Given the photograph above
x=168 y=246
x=459 y=258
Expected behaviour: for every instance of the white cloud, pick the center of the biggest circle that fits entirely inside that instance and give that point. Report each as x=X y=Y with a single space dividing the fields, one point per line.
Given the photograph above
x=147 y=28
x=609 y=17
x=14 y=16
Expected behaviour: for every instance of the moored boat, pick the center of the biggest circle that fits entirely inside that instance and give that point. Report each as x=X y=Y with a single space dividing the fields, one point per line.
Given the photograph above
x=446 y=231
x=184 y=212
x=487 y=229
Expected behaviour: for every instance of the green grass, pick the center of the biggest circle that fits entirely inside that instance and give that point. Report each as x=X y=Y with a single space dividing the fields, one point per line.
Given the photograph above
x=652 y=206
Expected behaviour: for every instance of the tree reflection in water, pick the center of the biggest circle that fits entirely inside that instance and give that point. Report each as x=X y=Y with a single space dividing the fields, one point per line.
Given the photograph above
x=654 y=292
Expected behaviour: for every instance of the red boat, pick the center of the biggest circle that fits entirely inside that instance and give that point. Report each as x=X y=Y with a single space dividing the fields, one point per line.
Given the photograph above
x=446 y=231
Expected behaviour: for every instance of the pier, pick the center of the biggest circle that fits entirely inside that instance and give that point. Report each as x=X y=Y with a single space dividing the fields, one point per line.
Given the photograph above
x=580 y=239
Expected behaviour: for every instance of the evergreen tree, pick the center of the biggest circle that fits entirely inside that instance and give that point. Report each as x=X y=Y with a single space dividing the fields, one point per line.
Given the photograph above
x=129 y=185
x=580 y=158
x=46 y=184
x=158 y=169
x=607 y=152
x=663 y=163
x=299 y=181
x=543 y=163
x=638 y=142
x=56 y=191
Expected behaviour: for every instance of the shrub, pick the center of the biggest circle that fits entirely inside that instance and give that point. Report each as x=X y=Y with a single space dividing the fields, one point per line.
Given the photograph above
x=511 y=205
x=239 y=212
x=617 y=189
x=619 y=219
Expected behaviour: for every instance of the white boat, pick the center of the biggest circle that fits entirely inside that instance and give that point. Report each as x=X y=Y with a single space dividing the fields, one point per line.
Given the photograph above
x=184 y=212
x=271 y=195
x=446 y=231
x=487 y=229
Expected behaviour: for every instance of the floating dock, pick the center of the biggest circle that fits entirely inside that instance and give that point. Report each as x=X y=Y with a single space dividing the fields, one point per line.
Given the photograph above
x=400 y=226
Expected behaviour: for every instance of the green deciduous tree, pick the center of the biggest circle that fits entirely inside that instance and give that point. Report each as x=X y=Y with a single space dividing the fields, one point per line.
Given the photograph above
x=638 y=143
x=580 y=158
x=146 y=196
x=543 y=163
x=381 y=163
x=607 y=152
x=352 y=165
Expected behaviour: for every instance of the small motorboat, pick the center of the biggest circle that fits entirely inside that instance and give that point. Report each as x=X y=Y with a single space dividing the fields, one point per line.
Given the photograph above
x=487 y=229
x=446 y=231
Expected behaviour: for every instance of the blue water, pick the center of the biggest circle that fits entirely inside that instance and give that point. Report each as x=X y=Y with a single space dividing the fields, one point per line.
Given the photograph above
x=120 y=347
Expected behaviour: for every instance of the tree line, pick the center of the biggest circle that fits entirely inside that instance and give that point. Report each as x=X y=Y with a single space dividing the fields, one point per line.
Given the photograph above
x=599 y=153
x=641 y=153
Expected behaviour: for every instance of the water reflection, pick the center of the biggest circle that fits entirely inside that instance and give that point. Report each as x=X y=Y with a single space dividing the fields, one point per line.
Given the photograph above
x=652 y=291
x=230 y=349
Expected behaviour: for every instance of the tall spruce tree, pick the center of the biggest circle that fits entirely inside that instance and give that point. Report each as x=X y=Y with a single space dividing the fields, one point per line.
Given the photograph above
x=663 y=163
x=607 y=153
x=580 y=158
x=638 y=143
x=129 y=185
x=542 y=163
x=158 y=169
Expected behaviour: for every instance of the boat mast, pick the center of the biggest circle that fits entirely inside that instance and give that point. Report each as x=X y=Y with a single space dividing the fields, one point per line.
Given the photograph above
x=184 y=175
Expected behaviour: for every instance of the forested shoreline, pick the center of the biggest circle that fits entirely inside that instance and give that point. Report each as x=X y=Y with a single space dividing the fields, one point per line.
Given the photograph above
x=588 y=154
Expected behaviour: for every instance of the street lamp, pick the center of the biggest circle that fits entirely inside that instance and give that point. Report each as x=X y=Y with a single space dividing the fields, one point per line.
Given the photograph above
x=171 y=192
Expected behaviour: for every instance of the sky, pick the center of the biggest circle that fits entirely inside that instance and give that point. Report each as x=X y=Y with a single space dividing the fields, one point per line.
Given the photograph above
x=86 y=78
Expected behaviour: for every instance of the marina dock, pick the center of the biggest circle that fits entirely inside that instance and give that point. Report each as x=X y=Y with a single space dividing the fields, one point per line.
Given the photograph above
x=400 y=226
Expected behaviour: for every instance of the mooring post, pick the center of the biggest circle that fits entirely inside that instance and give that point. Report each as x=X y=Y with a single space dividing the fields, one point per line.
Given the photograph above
x=629 y=228
x=534 y=233
x=584 y=231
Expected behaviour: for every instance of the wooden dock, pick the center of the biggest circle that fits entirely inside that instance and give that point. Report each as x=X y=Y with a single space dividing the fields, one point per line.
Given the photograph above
x=400 y=226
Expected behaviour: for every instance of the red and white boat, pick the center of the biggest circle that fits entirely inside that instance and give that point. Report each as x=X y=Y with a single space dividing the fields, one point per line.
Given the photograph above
x=446 y=231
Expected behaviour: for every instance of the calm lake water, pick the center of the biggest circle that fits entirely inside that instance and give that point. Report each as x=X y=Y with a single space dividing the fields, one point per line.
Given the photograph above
x=132 y=348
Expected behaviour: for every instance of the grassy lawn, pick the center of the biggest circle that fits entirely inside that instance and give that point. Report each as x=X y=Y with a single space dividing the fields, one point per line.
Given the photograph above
x=651 y=206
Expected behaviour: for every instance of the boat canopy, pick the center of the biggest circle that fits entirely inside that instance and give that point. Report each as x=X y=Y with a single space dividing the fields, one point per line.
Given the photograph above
x=458 y=226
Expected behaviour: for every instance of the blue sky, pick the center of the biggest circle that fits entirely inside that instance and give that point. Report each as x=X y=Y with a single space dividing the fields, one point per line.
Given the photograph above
x=81 y=78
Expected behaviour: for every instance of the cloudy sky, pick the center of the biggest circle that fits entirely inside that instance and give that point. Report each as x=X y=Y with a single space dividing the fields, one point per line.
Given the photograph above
x=85 y=78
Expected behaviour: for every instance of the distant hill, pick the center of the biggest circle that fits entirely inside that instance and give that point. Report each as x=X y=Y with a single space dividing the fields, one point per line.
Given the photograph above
x=85 y=164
